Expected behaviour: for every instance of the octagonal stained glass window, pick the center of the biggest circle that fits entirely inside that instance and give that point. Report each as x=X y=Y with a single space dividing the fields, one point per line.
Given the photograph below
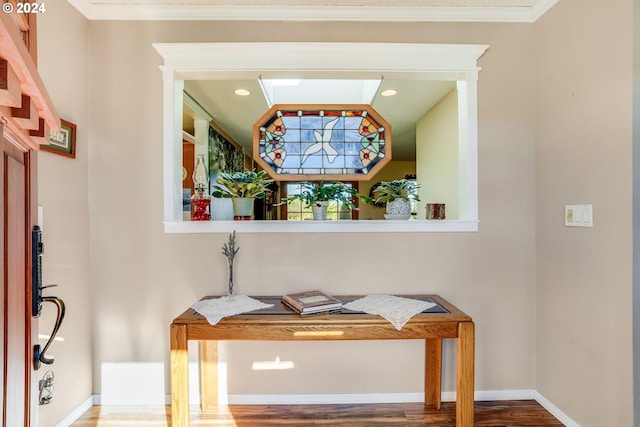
x=316 y=142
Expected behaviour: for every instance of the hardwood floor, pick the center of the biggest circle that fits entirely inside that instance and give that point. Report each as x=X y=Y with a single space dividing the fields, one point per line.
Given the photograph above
x=512 y=413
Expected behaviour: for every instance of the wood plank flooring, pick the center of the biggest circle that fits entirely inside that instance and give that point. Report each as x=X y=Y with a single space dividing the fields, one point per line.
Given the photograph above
x=512 y=413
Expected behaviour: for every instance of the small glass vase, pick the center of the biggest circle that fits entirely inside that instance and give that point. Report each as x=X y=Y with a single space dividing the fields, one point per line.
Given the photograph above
x=200 y=201
x=230 y=284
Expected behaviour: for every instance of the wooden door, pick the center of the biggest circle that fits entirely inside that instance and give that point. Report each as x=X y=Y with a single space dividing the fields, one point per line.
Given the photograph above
x=18 y=392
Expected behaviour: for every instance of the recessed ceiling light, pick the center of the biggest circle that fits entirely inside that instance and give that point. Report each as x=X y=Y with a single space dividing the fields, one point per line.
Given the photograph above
x=388 y=92
x=242 y=92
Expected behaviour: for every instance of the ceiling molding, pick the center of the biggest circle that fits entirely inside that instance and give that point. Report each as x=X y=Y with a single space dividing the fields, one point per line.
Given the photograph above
x=83 y=6
x=541 y=7
x=138 y=12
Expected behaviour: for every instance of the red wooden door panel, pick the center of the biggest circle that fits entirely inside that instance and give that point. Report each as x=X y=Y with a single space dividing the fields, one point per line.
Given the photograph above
x=15 y=296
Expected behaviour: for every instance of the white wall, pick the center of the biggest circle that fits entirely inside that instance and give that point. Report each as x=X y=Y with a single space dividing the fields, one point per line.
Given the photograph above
x=583 y=156
x=437 y=156
x=63 y=189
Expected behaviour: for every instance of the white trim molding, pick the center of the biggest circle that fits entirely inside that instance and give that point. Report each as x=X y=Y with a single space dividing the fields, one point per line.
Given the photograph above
x=361 y=398
x=406 y=12
x=200 y=61
x=541 y=7
x=77 y=413
x=342 y=226
x=555 y=411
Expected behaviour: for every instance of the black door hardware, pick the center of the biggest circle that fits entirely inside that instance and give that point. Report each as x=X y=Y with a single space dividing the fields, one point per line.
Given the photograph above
x=39 y=356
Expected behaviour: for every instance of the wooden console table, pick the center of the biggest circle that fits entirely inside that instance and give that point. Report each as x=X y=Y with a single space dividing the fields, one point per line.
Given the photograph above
x=281 y=324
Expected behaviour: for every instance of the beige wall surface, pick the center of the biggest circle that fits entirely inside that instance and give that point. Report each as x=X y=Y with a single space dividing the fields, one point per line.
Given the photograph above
x=63 y=189
x=143 y=278
x=583 y=156
x=561 y=325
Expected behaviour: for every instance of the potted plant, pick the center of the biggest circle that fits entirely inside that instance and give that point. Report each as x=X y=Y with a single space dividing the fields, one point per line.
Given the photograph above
x=397 y=195
x=242 y=188
x=317 y=195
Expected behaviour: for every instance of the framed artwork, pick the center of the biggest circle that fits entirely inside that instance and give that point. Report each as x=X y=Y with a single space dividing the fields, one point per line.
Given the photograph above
x=63 y=142
x=224 y=156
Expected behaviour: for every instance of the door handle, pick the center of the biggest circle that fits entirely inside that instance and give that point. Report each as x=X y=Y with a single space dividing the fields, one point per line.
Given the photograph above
x=40 y=356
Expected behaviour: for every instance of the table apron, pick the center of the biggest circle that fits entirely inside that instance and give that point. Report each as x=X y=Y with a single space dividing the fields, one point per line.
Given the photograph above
x=258 y=332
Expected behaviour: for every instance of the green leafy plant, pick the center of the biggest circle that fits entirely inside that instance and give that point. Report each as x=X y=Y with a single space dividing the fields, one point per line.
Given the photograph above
x=315 y=192
x=246 y=184
x=389 y=191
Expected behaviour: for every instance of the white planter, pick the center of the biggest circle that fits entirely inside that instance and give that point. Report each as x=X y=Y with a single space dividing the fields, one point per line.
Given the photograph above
x=398 y=209
x=319 y=210
x=221 y=209
x=243 y=208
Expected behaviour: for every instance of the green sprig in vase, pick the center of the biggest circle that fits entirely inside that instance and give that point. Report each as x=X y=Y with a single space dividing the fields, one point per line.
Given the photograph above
x=230 y=250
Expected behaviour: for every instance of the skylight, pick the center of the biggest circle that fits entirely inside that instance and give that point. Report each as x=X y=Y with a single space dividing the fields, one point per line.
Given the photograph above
x=319 y=91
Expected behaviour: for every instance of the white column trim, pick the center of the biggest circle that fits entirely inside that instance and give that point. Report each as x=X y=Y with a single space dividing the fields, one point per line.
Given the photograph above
x=172 y=151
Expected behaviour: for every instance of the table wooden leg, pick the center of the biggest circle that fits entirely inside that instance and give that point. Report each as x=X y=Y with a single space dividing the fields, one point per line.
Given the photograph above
x=465 y=386
x=433 y=372
x=209 y=375
x=179 y=376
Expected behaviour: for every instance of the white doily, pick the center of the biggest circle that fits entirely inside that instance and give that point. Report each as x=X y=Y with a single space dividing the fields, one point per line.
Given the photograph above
x=397 y=310
x=215 y=309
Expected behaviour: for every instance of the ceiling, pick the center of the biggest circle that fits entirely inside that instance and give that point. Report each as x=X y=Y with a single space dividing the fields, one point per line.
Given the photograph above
x=235 y=115
x=317 y=10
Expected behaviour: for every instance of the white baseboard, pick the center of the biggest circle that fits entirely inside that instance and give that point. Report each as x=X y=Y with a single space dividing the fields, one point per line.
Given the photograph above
x=450 y=396
x=353 y=398
x=555 y=411
x=323 y=399
x=290 y=399
x=77 y=413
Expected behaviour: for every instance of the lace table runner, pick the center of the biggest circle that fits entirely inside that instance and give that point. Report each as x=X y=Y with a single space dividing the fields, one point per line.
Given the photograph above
x=216 y=309
x=397 y=310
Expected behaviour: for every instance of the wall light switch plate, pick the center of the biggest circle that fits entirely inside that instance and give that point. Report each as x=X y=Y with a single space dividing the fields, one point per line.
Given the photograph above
x=578 y=215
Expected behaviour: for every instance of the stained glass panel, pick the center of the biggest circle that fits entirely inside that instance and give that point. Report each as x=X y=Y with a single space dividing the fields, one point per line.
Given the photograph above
x=295 y=142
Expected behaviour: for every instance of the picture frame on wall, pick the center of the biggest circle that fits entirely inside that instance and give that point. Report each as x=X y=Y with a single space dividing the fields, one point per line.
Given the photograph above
x=63 y=142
